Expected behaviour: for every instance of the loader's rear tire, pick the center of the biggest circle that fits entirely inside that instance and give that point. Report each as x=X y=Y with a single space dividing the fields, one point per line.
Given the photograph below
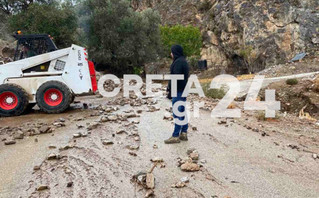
x=13 y=100
x=53 y=97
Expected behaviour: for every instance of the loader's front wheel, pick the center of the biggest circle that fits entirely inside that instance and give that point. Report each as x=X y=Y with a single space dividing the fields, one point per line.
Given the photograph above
x=53 y=97
x=13 y=100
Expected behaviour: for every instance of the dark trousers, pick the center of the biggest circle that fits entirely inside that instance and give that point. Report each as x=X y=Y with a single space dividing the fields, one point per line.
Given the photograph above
x=179 y=128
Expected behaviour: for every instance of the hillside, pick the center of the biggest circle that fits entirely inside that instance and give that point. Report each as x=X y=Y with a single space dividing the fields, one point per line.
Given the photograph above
x=245 y=34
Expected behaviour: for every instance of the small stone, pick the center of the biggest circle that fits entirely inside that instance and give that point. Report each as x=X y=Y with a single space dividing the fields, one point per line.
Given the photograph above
x=155 y=146
x=9 y=142
x=137 y=139
x=157 y=159
x=190 y=150
x=42 y=187
x=45 y=129
x=185 y=179
x=149 y=193
x=179 y=185
x=315 y=156
x=150 y=181
x=107 y=142
x=18 y=135
x=36 y=168
x=52 y=147
x=120 y=132
x=132 y=153
x=194 y=155
x=76 y=135
x=53 y=156
x=190 y=167
x=69 y=184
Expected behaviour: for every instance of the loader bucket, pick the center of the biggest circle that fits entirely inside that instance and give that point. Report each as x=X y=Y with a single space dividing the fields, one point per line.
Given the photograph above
x=93 y=76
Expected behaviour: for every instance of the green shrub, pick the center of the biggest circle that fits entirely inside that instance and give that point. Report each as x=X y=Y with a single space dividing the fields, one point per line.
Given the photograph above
x=193 y=62
x=188 y=37
x=292 y=81
x=213 y=93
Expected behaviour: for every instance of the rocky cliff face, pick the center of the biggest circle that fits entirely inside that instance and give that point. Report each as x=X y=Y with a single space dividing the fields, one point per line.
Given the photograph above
x=241 y=36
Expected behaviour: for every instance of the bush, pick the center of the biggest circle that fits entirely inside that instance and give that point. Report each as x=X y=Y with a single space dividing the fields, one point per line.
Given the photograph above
x=213 y=93
x=57 y=20
x=292 y=81
x=188 y=37
x=193 y=62
x=120 y=39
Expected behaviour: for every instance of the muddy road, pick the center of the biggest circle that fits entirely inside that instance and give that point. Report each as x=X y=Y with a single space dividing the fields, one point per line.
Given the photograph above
x=96 y=151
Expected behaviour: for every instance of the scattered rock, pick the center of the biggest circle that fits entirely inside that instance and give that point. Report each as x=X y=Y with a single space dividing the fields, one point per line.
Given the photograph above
x=132 y=153
x=9 y=142
x=69 y=184
x=53 y=156
x=36 y=168
x=157 y=159
x=194 y=155
x=52 y=147
x=150 y=181
x=107 y=142
x=185 y=179
x=179 y=185
x=42 y=187
x=149 y=193
x=190 y=167
x=93 y=125
x=45 y=129
x=315 y=156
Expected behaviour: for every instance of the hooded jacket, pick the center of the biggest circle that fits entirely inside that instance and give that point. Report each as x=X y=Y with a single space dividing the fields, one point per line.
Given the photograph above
x=179 y=66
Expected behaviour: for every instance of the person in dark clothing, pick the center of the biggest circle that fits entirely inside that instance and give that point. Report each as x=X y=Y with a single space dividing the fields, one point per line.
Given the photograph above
x=178 y=67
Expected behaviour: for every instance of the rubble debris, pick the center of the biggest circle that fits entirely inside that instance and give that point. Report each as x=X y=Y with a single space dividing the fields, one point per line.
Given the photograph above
x=45 y=129
x=92 y=126
x=107 y=142
x=132 y=153
x=69 y=184
x=36 y=168
x=315 y=156
x=9 y=142
x=150 y=181
x=53 y=156
x=168 y=116
x=149 y=193
x=179 y=185
x=190 y=167
x=42 y=187
x=157 y=159
x=184 y=179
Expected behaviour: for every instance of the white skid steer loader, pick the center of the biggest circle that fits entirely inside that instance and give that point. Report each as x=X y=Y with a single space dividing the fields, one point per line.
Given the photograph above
x=43 y=75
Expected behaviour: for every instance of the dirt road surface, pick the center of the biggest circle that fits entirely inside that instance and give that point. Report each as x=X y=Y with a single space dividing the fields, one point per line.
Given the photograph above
x=235 y=161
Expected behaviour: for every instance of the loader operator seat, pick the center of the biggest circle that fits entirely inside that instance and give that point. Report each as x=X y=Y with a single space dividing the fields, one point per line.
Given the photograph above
x=33 y=45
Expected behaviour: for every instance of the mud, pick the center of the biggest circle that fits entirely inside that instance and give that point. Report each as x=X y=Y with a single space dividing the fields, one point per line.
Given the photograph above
x=235 y=160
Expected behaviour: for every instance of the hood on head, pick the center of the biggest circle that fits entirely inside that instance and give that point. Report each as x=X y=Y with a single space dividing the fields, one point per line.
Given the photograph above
x=177 y=51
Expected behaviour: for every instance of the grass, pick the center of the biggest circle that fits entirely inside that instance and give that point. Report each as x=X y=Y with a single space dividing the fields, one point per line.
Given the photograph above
x=292 y=81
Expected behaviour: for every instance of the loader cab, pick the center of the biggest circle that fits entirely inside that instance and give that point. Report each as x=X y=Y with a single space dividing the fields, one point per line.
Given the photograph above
x=33 y=45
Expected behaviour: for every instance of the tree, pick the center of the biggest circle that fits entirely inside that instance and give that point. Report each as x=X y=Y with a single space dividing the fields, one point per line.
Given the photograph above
x=187 y=36
x=13 y=6
x=57 y=20
x=120 y=39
